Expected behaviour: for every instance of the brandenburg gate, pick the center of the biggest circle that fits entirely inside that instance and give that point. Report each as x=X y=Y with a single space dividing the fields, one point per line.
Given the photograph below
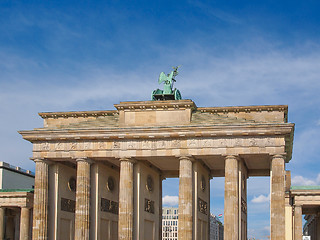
x=99 y=173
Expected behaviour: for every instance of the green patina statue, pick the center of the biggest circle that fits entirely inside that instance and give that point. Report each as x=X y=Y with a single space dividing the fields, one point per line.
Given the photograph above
x=168 y=93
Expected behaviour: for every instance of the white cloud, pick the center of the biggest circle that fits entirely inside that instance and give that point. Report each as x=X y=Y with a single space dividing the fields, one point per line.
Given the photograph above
x=318 y=179
x=302 y=181
x=267 y=228
x=170 y=200
x=261 y=199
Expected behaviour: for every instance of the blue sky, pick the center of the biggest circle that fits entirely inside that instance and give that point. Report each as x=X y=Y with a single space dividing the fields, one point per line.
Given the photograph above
x=89 y=55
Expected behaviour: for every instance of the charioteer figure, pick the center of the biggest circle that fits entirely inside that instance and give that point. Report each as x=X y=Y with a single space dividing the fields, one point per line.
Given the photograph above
x=168 y=93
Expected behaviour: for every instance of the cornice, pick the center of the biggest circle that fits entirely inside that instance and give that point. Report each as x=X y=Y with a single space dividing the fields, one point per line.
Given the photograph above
x=248 y=109
x=163 y=105
x=156 y=105
x=279 y=129
x=303 y=192
x=46 y=115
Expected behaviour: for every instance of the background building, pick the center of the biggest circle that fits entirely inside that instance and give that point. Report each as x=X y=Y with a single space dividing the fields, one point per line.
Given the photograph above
x=216 y=228
x=170 y=223
x=12 y=177
x=16 y=202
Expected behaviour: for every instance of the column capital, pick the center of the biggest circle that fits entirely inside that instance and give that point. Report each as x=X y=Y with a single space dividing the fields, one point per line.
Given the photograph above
x=282 y=155
x=186 y=157
x=84 y=159
x=26 y=207
x=127 y=159
x=232 y=157
x=44 y=160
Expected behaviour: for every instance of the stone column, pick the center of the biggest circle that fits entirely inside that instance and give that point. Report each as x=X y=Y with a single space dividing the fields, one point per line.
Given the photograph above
x=40 y=204
x=161 y=178
x=277 y=203
x=231 y=199
x=243 y=219
x=16 y=229
x=125 y=227
x=185 y=199
x=2 y=211
x=82 y=199
x=297 y=222
x=24 y=223
x=318 y=226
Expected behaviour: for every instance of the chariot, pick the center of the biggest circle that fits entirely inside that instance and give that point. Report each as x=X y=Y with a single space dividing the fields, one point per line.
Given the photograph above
x=168 y=93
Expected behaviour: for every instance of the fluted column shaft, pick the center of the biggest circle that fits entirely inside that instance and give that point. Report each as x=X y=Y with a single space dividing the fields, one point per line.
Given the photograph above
x=82 y=218
x=24 y=223
x=277 y=203
x=297 y=222
x=2 y=210
x=231 y=199
x=185 y=199
x=160 y=207
x=126 y=200
x=40 y=204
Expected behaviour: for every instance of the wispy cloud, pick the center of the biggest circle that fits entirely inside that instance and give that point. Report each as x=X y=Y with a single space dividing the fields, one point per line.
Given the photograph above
x=216 y=13
x=261 y=199
x=170 y=200
x=303 y=181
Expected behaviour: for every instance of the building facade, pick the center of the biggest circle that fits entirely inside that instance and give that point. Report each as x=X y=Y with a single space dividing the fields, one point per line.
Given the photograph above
x=216 y=228
x=170 y=223
x=312 y=226
x=99 y=173
x=303 y=200
x=16 y=202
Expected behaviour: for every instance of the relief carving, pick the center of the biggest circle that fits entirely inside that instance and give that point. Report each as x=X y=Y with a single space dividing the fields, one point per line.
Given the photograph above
x=131 y=145
x=207 y=143
x=73 y=146
x=269 y=142
x=203 y=183
x=161 y=144
x=253 y=142
x=175 y=143
x=45 y=146
x=59 y=146
x=72 y=184
x=86 y=146
x=146 y=144
x=109 y=206
x=202 y=206
x=237 y=142
x=111 y=183
x=149 y=206
x=101 y=145
x=192 y=143
x=116 y=145
x=149 y=183
x=243 y=206
x=223 y=143
x=68 y=205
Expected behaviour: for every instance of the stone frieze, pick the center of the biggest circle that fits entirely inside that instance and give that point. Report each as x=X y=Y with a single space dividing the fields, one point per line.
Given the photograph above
x=194 y=143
